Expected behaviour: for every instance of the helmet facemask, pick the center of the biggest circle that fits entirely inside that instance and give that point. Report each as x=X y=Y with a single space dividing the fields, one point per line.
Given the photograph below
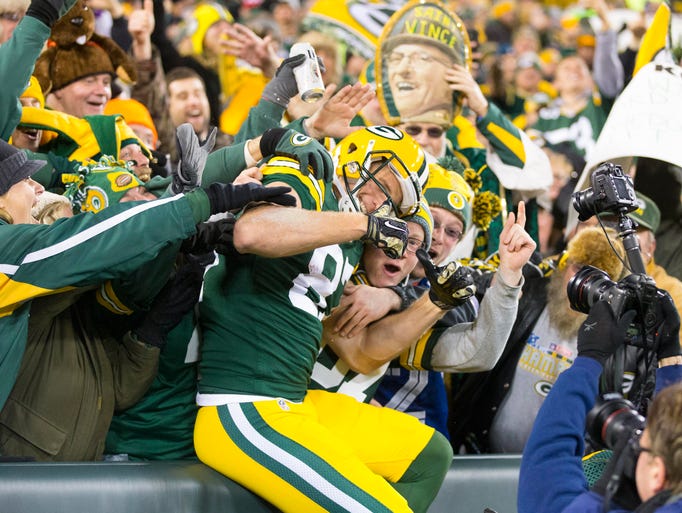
x=364 y=155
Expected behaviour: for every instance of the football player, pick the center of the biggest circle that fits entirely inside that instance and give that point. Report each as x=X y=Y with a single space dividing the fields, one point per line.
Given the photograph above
x=261 y=317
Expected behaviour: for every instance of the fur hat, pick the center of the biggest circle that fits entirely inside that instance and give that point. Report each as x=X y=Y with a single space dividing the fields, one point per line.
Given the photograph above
x=590 y=247
x=75 y=51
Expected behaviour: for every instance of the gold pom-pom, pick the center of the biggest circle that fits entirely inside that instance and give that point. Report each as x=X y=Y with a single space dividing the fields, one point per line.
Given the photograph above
x=487 y=206
x=473 y=179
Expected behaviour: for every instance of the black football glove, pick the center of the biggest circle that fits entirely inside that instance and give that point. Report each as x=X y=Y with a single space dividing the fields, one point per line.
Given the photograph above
x=295 y=145
x=226 y=197
x=601 y=333
x=213 y=236
x=386 y=232
x=176 y=298
x=668 y=330
x=451 y=285
x=187 y=175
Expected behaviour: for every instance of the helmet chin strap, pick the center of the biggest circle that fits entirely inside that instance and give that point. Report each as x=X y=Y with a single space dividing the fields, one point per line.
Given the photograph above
x=345 y=202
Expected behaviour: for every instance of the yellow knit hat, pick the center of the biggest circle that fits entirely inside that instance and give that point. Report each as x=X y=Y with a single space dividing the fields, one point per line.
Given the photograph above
x=205 y=15
x=34 y=91
x=501 y=8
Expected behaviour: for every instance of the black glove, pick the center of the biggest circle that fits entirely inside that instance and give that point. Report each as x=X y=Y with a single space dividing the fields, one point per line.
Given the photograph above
x=49 y=11
x=386 y=232
x=451 y=285
x=176 y=298
x=226 y=197
x=601 y=333
x=668 y=330
x=295 y=145
x=193 y=157
x=213 y=236
x=283 y=85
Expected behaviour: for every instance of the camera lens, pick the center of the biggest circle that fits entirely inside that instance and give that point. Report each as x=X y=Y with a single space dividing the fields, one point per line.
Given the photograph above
x=586 y=287
x=613 y=418
x=584 y=204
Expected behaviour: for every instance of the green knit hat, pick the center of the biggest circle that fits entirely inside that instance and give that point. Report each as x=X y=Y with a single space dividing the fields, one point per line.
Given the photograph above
x=448 y=190
x=97 y=185
x=423 y=217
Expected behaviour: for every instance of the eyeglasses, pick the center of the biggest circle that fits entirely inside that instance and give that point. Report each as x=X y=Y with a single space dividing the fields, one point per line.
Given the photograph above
x=418 y=58
x=11 y=16
x=433 y=131
x=450 y=233
x=413 y=245
x=637 y=449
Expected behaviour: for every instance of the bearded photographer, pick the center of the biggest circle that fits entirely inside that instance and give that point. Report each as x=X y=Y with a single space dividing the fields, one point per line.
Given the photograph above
x=552 y=478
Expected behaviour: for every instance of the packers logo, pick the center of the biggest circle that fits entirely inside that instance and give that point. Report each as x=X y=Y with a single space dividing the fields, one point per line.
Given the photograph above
x=543 y=388
x=123 y=180
x=95 y=200
x=300 y=139
x=388 y=132
x=456 y=200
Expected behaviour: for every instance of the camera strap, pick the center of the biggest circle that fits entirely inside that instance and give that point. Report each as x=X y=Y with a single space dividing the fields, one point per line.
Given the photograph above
x=654 y=503
x=614 y=481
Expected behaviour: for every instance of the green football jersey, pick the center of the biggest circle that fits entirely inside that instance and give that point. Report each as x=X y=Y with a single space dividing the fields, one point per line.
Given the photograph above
x=261 y=317
x=579 y=130
x=332 y=374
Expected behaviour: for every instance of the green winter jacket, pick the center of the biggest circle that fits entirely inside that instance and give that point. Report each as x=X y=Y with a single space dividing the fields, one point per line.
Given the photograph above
x=73 y=375
x=85 y=250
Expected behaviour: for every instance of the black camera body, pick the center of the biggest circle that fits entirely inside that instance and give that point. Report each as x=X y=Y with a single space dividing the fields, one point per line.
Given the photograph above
x=611 y=191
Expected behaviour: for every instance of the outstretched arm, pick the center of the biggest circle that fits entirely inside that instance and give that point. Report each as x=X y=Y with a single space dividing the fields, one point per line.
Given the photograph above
x=336 y=112
x=383 y=340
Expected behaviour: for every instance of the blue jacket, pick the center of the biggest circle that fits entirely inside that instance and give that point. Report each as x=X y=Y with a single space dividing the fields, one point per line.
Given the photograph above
x=552 y=478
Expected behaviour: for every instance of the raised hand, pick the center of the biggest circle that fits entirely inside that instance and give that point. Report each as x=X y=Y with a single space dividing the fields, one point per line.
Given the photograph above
x=668 y=329
x=336 y=111
x=460 y=79
x=244 y=43
x=283 y=86
x=516 y=247
x=601 y=333
x=187 y=175
x=141 y=25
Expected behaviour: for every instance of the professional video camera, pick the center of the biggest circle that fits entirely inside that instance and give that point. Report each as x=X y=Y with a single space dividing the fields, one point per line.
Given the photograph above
x=613 y=192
